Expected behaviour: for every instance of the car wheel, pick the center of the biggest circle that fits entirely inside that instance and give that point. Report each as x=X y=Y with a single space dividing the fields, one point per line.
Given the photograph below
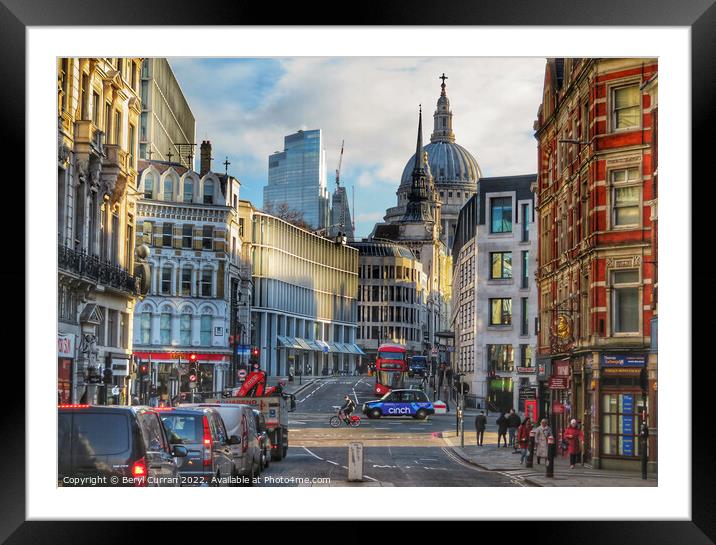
x=375 y=413
x=421 y=414
x=277 y=453
x=266 y=458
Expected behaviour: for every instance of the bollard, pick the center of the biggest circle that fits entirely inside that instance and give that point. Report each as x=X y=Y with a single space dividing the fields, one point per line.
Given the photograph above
x=462 y=431
x=458 y=418
x=355 y=462
x=643 y=439
x=530 y=449
x=551 y=451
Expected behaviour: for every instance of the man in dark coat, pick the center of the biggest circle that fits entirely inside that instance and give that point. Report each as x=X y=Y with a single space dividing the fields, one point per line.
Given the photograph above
x=513 y=422
x=480 y=425
x=501 y=429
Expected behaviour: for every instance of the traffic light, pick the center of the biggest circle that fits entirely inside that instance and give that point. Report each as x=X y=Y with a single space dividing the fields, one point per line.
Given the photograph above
x=143 y=369
x=255 y=357
x=192 y=371
x=107 y=375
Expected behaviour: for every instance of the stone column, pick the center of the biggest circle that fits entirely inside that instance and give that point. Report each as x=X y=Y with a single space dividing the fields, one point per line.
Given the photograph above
x=195 y=330
x=263 y=341
x=175 y=328
x=154 y=334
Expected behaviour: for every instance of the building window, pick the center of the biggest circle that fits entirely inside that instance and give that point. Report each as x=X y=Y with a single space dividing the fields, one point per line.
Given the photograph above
x=625 y=301
x=133 y=69
x=501 y=215
x=186 y=281
x=625 y=107
x=501 y=311
x=168 y=188
x=206 y=275
x=166 y=280
x=165 y=328
x=147 y=233
x=207 y=237
x=626 y=197
x=112 y=327
x=123 y=330
x=524 y=317
x=131 y=146
x=185 y=330
x=167 y=234
x=621 y=422
x=525 y=269
x=188 y=190
x=501 y=265
x=187 y=232
x=145 y=328
x=95 y=108
x=241 y=227
x=525 y=222
x=117 y=127
x=525 y=355
x=206 y=330
x=208 y=192
x=500 y=357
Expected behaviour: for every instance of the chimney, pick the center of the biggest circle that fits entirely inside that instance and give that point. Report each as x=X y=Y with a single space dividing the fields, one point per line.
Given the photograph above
x=205 y=157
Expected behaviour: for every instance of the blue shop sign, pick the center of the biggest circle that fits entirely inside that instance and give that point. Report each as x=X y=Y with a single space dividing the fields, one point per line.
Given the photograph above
x=627 y=424
x=243 y=349
x=623 y=360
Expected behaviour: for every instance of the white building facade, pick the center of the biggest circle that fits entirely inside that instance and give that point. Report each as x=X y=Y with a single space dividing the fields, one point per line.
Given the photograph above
x=495 y=294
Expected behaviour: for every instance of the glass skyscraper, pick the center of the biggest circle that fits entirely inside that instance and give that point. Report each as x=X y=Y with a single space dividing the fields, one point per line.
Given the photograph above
x=297 y=177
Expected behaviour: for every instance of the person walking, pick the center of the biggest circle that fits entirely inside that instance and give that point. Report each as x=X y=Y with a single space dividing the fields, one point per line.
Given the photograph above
x=501 y=429
x=513 y=422
x=480 y=425
x=523 y=438
x=542 y=432
x=573 y=435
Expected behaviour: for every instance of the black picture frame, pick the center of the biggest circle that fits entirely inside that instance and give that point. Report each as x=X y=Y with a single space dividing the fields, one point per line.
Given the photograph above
x=699 y=15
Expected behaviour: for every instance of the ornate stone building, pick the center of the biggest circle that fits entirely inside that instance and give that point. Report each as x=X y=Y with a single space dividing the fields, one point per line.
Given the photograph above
x=98 y=110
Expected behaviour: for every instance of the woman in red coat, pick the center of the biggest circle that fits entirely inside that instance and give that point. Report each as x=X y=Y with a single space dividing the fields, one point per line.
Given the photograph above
x=523 y=437
x=573 y=435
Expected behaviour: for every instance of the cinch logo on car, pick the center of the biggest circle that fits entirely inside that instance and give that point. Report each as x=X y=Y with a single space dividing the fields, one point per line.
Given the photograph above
x=400 y=410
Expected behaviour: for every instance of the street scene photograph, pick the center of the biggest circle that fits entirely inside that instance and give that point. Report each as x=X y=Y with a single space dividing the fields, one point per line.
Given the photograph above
x=357 y=272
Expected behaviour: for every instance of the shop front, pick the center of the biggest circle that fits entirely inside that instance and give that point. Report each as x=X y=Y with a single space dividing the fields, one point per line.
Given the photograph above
x=621 y=409
x=65 y=361
x=560 y=395
x=500 y=395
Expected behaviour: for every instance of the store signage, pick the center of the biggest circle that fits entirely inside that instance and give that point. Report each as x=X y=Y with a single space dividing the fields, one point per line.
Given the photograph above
x=243 y=349
x=557 y=407
x=560 y=368
x=558 y=383
x=65 y=346
x=627 y=425
x=525 y=369
x=622 y=371
x=622 y=360
x=528 y=393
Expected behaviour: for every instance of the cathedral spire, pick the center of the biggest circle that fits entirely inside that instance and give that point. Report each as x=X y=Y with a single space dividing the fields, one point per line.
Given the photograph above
x=442 y=128
x=418 y=207
x=419 y=165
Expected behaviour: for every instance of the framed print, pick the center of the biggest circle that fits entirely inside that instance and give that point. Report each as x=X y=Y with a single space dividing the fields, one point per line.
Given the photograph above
x=265 y=275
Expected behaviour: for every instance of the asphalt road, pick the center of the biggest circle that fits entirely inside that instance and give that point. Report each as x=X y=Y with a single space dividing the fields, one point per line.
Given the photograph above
x=398 y=451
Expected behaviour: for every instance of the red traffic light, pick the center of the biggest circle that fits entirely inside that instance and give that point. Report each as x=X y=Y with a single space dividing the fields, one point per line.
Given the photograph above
x=255 y=352
x=143 y=369
x=192 y=357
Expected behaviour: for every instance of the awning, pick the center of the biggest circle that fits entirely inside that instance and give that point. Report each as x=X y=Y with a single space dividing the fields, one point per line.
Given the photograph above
x=342 y=348
x=284 y=341
x=302 y=344
x=356 y=349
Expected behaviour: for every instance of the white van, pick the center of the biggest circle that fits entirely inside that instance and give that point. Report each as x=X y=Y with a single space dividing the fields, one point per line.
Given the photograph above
x=240 y=421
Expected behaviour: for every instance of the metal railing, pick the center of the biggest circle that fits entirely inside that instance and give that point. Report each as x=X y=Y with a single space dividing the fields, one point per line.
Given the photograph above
x=92 y=268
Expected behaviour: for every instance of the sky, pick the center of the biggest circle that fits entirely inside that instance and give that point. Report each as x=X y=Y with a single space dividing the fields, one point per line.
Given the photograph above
x=245 y=107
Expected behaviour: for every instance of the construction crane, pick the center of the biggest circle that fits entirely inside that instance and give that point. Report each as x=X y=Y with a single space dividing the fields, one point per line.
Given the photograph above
x=338 y=170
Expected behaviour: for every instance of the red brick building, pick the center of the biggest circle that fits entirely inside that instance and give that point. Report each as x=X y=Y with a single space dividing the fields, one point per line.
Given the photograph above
x=596 y=203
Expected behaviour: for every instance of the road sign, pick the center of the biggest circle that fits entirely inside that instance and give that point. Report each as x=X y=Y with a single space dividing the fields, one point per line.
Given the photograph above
x=434 y=351
x=115 y=391
x=242 y=374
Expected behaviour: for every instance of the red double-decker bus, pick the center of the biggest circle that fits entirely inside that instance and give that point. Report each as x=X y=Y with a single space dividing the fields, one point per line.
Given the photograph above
x=391 y=368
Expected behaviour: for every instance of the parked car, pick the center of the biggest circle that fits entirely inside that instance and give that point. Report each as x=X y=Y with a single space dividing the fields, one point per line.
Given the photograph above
x=201 y=430
x=114 y=446
x=264 y=440
x=240 y=423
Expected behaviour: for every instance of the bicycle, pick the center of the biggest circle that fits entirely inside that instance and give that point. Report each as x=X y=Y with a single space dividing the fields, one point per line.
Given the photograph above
x=353 y=421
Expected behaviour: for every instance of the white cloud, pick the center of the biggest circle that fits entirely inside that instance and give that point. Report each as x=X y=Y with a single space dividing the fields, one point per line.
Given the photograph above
x=372 y=104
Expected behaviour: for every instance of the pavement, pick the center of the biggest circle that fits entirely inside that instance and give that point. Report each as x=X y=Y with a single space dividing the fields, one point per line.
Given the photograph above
x=503 y=460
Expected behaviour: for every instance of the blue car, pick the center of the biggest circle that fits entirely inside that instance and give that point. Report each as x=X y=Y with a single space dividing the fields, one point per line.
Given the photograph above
x=413 y=403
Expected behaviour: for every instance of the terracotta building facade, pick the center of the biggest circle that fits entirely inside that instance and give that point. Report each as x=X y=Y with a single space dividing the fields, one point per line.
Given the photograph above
x=596 y=274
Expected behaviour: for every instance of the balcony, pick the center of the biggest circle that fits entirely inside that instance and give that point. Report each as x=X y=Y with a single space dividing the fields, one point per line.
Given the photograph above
x=96 y=271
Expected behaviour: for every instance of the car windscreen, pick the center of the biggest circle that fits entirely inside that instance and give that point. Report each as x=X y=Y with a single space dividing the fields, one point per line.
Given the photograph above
x=184 y=429
x=100 y=434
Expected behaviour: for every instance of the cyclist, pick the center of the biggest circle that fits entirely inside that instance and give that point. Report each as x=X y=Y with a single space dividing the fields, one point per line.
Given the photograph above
x=346 y=409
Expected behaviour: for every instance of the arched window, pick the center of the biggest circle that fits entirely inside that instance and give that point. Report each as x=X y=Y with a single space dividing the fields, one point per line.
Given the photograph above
x=148 y=186
x=188 y=190
x=168 y=188
x=165 y=328
x=206 y=330
x=208 y=192
x=185 y=330
x=145 y=328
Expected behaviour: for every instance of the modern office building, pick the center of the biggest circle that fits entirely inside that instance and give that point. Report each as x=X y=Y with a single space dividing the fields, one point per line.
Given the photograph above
x=297 y=178
x=454 y=170
x=341 y=221
x=304 y=303
x=596 y=133
x=167 y=124
x=191 y=224
x=494 y=296
x=392 y=297
x=98 y=114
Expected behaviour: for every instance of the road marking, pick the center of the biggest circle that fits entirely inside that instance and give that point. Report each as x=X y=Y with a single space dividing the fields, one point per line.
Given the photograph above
x=309 y=452
x=332 y=462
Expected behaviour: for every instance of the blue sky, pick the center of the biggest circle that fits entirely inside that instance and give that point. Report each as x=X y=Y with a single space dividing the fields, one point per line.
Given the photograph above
x=246 y=107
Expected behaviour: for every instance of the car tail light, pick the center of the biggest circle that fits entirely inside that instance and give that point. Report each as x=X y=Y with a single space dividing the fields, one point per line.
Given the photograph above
x=72 y=406
x=139 y=472
x=206 y=443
